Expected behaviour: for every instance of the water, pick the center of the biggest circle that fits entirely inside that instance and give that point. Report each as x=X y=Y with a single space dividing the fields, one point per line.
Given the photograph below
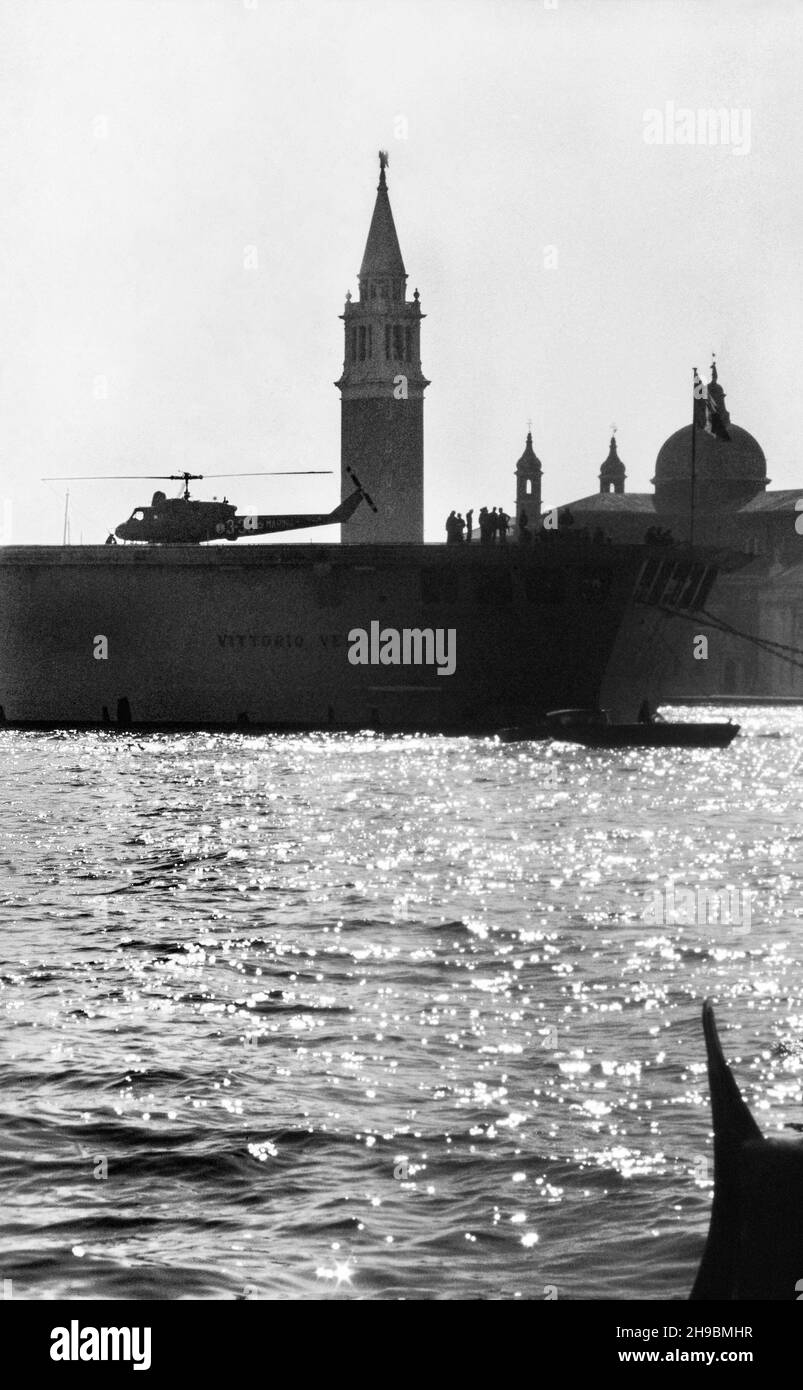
x=355 y=1017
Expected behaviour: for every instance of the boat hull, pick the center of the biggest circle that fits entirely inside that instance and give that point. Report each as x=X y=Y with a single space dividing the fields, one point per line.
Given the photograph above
x=651 y=735
x=260 y=636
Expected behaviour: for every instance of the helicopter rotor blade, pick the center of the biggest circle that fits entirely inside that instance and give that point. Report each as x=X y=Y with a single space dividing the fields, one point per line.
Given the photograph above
x=272 y=473
x=105 y=477
x=175 y=477
x=120 y=477
x=366 y=495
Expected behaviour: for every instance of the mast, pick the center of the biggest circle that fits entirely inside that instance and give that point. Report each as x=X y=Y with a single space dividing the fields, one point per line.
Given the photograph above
x=693 y=454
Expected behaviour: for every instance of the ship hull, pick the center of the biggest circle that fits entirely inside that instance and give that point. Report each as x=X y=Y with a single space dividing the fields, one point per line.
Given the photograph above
x=183 y=636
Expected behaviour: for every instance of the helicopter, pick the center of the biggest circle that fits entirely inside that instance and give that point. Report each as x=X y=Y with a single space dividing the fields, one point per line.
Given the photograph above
x=184 y=521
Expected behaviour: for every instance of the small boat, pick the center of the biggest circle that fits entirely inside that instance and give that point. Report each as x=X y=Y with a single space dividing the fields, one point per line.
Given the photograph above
x=524 y=733
x=655 y=735
x=549 y=725
x=593 y=728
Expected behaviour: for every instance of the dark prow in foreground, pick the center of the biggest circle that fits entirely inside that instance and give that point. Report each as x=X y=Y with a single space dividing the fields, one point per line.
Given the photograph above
x=755 y=1241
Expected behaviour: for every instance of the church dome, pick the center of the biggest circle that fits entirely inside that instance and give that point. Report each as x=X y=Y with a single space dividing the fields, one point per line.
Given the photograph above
x=728 y=471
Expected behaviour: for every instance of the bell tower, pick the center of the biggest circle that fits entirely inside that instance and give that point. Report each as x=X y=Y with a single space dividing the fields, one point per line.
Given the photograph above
x=382 y=389
x=528 y=484
x=612 y=473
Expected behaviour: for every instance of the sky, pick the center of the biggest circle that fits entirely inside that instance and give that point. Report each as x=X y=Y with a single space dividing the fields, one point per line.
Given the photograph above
x=187 y=187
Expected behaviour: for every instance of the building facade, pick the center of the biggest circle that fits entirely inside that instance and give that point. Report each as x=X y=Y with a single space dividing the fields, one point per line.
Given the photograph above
x=761 y=600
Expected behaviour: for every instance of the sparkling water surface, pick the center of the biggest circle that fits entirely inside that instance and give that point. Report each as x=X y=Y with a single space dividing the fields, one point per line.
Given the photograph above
x=363 y=1017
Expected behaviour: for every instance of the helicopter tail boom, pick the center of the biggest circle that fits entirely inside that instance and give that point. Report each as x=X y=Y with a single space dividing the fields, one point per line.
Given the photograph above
x=268 y=525
x=348 y=507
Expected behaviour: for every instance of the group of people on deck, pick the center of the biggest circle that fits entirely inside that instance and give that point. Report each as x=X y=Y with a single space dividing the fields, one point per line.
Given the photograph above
x=493 y=526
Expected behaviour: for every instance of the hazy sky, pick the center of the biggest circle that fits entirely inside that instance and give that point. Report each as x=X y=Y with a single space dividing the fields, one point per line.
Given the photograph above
x=146 y=146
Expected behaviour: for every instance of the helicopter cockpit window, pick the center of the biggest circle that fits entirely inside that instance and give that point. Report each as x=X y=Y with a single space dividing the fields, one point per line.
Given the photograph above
x=138 y=515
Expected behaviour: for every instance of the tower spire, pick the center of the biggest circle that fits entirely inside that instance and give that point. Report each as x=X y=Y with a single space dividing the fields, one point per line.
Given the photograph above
x=382 y=258
x=528 y=480
x=612 y=472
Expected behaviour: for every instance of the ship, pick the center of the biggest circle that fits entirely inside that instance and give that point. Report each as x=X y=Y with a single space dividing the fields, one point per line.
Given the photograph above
x=391 y=637
x=382 y=631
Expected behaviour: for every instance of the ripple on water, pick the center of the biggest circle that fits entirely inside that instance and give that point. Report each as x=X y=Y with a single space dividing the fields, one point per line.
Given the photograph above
x=333 y=1016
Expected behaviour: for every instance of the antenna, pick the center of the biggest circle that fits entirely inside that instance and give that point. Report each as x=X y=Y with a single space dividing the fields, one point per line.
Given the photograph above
x=65 y=535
